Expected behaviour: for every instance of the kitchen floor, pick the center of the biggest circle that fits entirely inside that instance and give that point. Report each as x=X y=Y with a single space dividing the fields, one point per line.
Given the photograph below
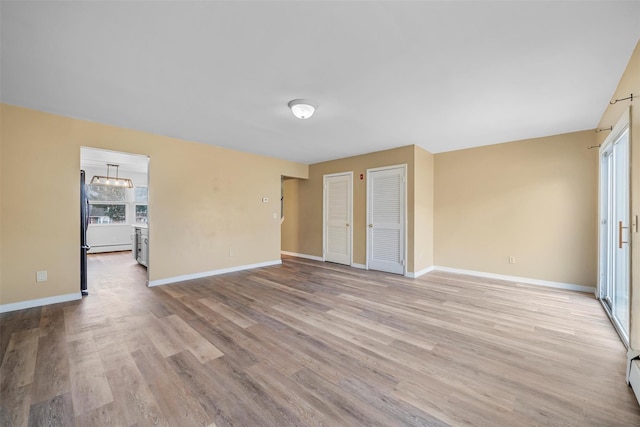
x=114 y=269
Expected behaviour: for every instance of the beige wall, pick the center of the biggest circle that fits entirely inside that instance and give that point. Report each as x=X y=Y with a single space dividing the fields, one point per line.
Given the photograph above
x=423 y=209
x=204 y=202
x=311 y=199
x=535 y=200
x=472 y=209
x=630 y=83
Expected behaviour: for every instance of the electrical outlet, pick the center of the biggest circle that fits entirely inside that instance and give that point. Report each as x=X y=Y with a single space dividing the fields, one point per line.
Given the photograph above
x=512 y=260
x=41 y=276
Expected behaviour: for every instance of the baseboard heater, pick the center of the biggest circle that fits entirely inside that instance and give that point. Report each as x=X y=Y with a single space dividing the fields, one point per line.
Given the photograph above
x=633 y=372
x=113 y=247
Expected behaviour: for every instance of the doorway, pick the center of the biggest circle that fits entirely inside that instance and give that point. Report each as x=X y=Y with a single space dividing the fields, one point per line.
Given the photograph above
x=386 y=219
x=615 y=228
x=114 y=213
x=338 y=217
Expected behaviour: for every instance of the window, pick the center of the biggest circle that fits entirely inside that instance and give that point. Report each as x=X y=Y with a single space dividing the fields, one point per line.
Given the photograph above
x=141 y=214
x=142 y=194
x=117 y=205
x=107 y=214
x=141 y=201
x=107 y=205
x=105 y=193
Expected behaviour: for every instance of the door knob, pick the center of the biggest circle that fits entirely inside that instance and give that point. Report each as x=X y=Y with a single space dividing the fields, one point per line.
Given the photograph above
x=347 y=224
x=370 y=225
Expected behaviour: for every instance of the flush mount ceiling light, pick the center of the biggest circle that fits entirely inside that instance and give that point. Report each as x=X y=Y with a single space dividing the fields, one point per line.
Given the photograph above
x=110 y=180
x=302 y=108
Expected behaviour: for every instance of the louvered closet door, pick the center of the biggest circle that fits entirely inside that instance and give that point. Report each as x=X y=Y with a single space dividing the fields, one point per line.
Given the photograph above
x=386 y=219
x=337 y=218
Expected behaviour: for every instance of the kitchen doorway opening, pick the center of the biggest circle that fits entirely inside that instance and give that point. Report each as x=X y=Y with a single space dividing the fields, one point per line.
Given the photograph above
x=114 y=219
x=290 y=241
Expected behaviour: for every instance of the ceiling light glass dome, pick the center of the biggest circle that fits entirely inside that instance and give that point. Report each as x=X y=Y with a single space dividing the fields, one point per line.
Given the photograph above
x=302 y=108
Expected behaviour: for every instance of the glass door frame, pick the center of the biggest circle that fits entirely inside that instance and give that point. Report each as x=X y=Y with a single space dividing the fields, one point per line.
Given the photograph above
x=613 y=214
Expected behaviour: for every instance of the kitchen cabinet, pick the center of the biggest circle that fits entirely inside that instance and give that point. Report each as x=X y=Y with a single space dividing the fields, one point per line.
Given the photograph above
x=141 y=244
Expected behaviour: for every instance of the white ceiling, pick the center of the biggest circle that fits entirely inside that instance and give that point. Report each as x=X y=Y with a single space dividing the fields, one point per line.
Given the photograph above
x=443 y=75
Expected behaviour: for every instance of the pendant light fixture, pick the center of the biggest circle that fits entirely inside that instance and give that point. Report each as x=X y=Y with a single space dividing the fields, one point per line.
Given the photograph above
x=302 y=108
x=112 y=181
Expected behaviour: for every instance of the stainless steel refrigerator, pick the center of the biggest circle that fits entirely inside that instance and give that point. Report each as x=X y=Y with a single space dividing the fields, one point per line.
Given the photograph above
x=84 y=223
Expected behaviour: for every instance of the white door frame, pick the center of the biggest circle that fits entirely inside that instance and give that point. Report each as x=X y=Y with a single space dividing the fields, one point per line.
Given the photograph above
x=130 y=207
x=404 y=220
x=325 y=210
x=604 y=260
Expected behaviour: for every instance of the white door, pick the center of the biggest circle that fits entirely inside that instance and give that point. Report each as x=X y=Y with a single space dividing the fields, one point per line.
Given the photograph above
x=386 y=219
x=338 y=217
x=615 y=227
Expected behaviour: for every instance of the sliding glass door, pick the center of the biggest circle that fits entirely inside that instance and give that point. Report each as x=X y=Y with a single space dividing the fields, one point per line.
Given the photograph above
x=615 y=228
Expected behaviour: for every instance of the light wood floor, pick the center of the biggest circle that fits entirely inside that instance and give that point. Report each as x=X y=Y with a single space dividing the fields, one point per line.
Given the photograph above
x=308 y=343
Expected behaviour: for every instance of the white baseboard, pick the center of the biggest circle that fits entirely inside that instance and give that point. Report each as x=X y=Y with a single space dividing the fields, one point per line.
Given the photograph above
x=360 y=266
x=305 y=256
x=176 y=279
x=419 y=273
x=4 y=308
x=526 y=280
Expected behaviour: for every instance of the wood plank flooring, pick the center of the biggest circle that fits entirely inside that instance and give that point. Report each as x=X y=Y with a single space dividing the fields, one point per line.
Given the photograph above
x=312 y=344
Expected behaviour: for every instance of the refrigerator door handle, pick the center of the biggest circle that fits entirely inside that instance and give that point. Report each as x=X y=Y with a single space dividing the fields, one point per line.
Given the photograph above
x=86 y=212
